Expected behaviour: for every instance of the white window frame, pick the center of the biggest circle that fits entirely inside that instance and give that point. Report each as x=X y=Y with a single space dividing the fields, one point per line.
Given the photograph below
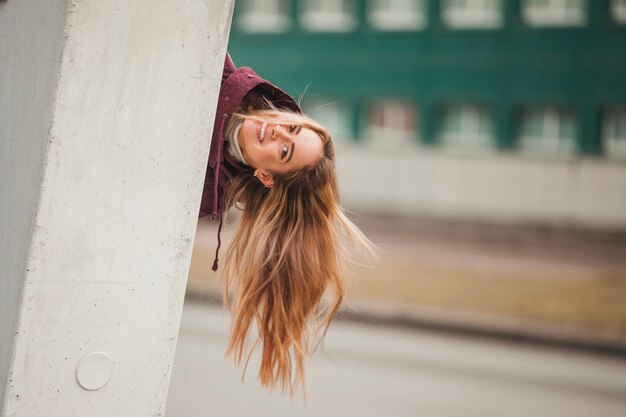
x=474 y=14
x=396 y=111
x=551 y=142
x=330 y=18
x=265 y=16
x=614 y=146
x=401 y=15
x=618 y=10
x=556 y=13
x=469 y=137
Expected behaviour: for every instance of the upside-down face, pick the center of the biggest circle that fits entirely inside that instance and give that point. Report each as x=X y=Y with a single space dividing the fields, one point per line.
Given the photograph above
x=278 y=148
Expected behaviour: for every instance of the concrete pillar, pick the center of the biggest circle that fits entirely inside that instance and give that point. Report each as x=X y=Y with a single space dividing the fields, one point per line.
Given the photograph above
x=106 y=113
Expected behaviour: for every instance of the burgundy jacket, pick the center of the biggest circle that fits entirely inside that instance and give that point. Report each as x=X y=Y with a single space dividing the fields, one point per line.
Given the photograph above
x=239 y=87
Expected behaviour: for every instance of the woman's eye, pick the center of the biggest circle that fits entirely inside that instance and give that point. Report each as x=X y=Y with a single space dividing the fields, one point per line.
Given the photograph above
x=292 y=128
x=283 y=152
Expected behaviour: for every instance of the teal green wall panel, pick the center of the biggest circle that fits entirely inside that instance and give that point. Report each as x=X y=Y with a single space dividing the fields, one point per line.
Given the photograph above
x=581 y=67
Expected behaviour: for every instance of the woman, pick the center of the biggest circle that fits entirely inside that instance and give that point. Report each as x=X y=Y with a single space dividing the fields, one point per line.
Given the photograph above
x=277 y=165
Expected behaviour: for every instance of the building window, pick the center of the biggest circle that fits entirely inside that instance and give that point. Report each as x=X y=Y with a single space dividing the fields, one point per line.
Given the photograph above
x=332 y=114
x=472 y=14
x=397 y=14
x=618 y=10
x=547 y=130
x=391 y=123
x=264 y=16
x=466 y=126
x=555 y=12
x=614 y=132
x=328 y=15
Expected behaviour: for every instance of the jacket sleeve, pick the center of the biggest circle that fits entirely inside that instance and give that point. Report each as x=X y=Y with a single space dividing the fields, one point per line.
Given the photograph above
x=208 y=194
x=207 y=203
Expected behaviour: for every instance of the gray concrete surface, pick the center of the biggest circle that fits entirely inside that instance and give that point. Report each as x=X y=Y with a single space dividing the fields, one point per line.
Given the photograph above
x=105 y=108
x=383 y=371
x=502 y=187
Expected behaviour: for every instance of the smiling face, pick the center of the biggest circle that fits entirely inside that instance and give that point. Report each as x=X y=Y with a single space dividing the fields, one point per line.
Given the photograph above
x=278 y=148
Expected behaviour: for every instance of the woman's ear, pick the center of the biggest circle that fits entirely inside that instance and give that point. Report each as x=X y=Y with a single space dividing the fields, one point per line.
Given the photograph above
x=265 y=177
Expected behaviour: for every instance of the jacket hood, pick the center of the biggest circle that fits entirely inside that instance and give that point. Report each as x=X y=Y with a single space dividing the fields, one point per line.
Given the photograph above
x=237 y=83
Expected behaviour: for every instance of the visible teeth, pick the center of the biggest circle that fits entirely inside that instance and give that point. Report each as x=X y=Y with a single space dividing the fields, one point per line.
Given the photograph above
x=262 y=135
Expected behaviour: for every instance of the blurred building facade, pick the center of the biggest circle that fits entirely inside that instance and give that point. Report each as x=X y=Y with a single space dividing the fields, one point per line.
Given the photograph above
x=508 y=111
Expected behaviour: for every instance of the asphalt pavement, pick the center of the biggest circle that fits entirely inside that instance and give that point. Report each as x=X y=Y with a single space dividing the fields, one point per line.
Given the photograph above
x=387 y=371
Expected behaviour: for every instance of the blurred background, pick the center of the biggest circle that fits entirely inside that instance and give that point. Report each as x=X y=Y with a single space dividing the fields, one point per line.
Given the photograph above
x=482 y=147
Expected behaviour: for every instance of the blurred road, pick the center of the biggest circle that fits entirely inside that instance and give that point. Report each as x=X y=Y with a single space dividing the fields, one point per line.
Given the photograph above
x=561 y=285
x=368 y=370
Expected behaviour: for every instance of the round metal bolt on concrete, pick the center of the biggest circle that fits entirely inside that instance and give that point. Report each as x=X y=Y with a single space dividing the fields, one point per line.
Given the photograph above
x=94 y=370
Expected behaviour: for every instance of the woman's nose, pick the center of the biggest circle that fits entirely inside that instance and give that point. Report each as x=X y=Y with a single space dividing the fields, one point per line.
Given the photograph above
x=279 y=132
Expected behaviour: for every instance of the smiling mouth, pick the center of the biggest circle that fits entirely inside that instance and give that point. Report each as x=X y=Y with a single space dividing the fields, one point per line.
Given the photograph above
x=262 y=132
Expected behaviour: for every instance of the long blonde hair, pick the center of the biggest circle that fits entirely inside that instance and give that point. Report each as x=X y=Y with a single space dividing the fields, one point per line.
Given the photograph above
x=289 y=248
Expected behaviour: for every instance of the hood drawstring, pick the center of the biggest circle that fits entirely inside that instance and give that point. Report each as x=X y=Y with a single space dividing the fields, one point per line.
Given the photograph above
x=216 y=208
x=219 y=243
